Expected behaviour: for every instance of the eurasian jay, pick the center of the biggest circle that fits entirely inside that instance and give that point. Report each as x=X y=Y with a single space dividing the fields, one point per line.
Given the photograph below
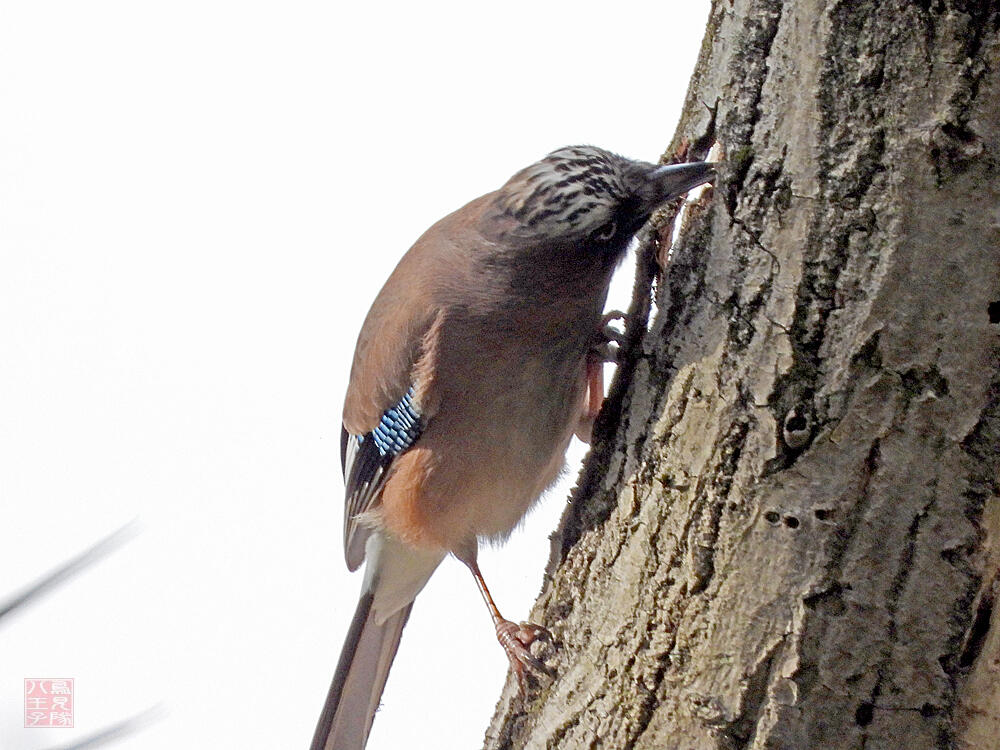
x=478 y=361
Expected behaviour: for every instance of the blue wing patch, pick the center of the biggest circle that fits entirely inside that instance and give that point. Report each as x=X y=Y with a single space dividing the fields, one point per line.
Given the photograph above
x=367 y=459
x=399 y=427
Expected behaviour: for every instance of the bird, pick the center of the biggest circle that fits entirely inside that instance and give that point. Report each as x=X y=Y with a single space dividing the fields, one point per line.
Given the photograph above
x=480 y=358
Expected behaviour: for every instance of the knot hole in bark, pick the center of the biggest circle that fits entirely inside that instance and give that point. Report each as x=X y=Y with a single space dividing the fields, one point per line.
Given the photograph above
x=865 y=713
x=773 y=517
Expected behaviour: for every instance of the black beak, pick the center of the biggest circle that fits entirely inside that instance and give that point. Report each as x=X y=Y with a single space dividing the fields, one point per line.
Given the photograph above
x=674 y=180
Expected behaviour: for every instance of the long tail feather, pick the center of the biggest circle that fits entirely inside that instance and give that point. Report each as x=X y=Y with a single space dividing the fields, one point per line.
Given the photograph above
x=360 y=678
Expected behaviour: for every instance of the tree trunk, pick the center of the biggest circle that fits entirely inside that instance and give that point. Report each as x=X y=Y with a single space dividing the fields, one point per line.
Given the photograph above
x=788 y=532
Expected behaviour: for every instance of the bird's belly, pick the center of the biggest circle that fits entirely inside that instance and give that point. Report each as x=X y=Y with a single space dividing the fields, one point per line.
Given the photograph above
x=513 y=491
x=476 y=472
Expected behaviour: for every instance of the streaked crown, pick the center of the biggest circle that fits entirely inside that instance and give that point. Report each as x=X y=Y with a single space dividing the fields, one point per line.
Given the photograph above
x=570 y=193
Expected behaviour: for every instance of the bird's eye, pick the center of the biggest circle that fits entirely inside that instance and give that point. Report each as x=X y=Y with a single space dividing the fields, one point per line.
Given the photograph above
x=606 y=232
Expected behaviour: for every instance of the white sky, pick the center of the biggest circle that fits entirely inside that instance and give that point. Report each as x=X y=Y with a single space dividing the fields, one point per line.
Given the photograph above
x=198 y=201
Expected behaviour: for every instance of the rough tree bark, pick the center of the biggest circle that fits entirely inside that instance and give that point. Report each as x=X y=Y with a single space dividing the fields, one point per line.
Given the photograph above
x=788 y=532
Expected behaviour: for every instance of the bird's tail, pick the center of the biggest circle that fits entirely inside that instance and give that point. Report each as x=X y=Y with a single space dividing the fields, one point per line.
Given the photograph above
x=360 y=678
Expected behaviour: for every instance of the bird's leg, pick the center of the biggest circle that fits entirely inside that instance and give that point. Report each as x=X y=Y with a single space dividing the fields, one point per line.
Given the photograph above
x=604 y=350
x=593 y=398
x=515 y=639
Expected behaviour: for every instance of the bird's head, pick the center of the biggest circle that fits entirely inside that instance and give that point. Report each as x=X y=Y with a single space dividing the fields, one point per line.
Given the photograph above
x=584 y=194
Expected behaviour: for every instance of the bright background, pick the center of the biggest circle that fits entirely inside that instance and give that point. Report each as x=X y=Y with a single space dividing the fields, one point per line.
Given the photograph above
x=198 y=201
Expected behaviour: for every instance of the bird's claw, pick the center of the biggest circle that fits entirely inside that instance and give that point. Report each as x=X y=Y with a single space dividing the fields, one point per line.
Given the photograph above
x=609 y=340
x=516 y=641
x=610 y=333
x=606 y=352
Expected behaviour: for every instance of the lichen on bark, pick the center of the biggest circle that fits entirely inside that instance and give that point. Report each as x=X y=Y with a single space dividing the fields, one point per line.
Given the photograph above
x=786 y=535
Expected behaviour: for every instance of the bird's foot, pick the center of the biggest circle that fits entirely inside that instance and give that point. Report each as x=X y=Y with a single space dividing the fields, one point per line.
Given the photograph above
x=609 y=338
x=606 y=352
x=516 y=641
x=610 y=332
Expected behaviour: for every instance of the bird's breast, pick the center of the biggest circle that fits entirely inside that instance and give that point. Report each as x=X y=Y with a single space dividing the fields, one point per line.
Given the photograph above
x=507 y=404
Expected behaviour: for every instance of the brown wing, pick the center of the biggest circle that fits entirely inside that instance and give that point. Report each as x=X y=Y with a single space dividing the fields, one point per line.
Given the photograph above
x=389 y=398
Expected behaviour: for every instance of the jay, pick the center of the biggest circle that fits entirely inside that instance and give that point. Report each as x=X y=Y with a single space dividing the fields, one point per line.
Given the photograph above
x=478 y=361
